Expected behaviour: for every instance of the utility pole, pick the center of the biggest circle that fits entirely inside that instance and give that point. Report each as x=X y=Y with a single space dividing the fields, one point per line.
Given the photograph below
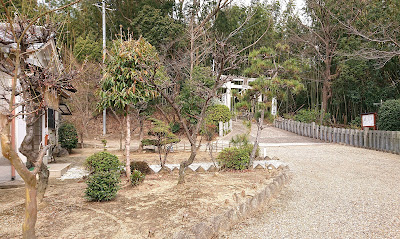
x=104 y=57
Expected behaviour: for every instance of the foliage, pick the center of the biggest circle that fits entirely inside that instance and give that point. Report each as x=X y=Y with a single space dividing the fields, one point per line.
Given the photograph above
x=67 y=136
x=356 y=123
x=137 y=177
x=141 y=166
x=162 y=133
x=102 y=186
x=389 y=116
x=308 y=116
x=103 y=162
x=192 y=92
x=87 y=48
x=234 y=158
x=218 y=113
x=124 y=82
x=175 y=127
x=238 y=156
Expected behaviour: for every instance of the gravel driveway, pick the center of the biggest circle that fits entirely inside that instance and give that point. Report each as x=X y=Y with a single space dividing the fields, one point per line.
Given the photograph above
x=336 y=192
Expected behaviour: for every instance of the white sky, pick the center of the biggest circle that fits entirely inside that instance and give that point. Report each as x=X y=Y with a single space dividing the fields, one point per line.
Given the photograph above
x=299 y=3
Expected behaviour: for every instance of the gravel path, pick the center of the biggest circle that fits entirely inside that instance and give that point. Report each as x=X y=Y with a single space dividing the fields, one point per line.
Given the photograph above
x=336 y=192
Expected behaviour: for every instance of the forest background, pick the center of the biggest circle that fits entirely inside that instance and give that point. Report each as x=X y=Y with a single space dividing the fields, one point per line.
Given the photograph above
x=345 y=54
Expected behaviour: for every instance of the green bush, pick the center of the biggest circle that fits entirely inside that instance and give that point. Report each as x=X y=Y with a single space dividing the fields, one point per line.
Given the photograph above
x=103 y=162
x=175 y=127
x=234 y=158
x=140 y=166
x=308 y=116
x=389 y=116
x=102 y=186
x=137 y=177
x=67 y=136
x=217 y=113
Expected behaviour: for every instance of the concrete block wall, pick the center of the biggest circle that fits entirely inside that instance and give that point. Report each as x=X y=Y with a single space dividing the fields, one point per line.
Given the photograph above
x=387 y=141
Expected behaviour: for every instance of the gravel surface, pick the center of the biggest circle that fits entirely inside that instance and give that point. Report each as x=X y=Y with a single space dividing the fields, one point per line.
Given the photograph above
x=336 y=192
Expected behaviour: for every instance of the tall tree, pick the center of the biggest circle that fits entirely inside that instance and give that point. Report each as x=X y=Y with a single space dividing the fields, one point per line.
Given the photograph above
x=131 y=64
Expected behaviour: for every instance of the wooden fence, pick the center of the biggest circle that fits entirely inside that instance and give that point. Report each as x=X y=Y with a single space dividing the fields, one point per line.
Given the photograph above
x=387 y=141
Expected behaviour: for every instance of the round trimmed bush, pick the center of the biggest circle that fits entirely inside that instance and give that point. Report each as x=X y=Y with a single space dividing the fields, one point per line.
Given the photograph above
x=137 y=177
x=217 y=113
x=67 y=136
x=102 y=186
x=141 y=166
x=234 y=158
x=103 y=162
x=389 y=115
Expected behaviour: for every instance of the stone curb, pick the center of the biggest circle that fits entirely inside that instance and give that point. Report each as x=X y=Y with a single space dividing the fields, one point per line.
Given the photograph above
x=219 y=223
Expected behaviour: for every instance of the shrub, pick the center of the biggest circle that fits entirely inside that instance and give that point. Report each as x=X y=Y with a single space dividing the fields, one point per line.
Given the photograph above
x=308 y=116
x=102 y=186
x=175 y=127
x=234 y=158
x=103 y=162
x=217 y=113
x=140 y=166
x=137 y=177
x=67 y=136
x=389 y=115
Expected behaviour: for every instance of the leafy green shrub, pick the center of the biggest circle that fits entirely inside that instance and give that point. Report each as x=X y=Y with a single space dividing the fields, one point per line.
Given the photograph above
x=389 y=115
x=102 y=186
x=234 y=158
x=103 y=162
x=140 y=166
x=217 y=113
x=175 y=127
x=308 y=116
x=356 y=123
x=137 y=177
x=67 y=136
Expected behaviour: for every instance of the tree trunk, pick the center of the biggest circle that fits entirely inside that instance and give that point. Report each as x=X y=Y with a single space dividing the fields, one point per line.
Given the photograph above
x=127 y=145
x=259 y=129
x=82 y=140
x=185 y=164
x=28 y=227
x=141 y=130
x=27 y=149
x=43 y=182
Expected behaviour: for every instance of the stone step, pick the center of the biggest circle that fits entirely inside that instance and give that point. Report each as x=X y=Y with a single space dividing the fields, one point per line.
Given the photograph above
x=58 y=169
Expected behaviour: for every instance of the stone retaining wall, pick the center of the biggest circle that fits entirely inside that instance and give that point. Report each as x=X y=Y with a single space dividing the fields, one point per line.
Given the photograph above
x=387 y=141
x=241 y=210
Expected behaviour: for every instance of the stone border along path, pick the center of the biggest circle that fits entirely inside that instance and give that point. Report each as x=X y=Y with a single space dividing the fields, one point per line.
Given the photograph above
x=242 y=209
x=209 y=167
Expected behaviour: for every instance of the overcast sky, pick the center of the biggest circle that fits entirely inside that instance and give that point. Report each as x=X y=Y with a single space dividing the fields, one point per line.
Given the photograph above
x=299 y=3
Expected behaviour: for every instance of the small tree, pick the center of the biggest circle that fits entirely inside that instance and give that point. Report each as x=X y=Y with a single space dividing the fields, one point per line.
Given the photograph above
x=130 y=65
x=163 y=139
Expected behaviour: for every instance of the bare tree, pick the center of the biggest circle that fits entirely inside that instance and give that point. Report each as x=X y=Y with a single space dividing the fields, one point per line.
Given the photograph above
x=201 y=45
x=36 y=88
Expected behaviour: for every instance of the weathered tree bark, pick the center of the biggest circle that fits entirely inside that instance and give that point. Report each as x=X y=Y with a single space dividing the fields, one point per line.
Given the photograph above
x=28 y=227
x=183 y=165
x=127 y=145
x=28 y=150
x=141 y=131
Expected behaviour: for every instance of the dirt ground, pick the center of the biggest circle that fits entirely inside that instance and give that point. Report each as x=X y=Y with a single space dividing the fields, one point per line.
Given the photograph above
x=157 y=208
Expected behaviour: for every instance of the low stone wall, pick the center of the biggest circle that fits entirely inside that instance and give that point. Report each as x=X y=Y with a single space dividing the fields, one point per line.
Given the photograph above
x=387 y=141
x=241 y=210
